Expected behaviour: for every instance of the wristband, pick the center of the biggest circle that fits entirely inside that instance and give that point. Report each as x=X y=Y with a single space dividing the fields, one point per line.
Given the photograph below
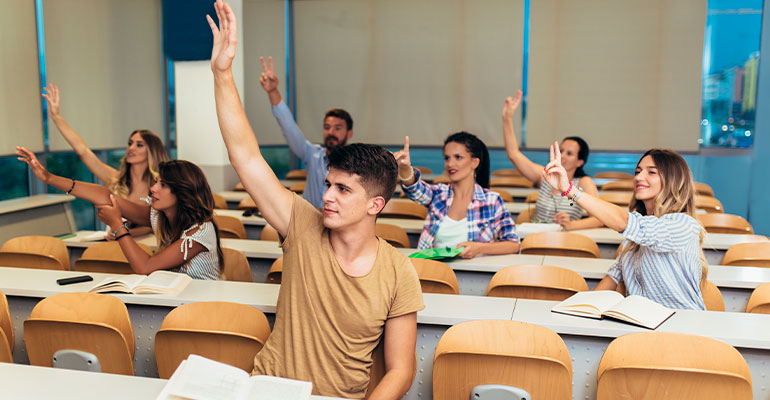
x=408 y=178
x=115 y=234
x=123 y=235
x=567 y=191
x=576 y=196
x=73 y=187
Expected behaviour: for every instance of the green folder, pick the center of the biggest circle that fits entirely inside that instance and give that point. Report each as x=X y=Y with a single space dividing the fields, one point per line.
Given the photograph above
x=437 y=253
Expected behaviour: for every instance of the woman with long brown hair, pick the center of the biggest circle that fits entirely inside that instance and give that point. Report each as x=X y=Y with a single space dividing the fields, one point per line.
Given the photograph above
x=662 y=258
x=180 y=210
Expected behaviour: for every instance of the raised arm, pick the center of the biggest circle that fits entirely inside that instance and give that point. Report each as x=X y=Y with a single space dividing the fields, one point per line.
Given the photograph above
x=272 y=199
x=269 y=81
x=528 y=169
x=610 y=215
x=104 y=172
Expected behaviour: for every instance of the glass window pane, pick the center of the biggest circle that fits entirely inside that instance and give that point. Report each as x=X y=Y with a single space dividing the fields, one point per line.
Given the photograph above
x=69 y=165
x=114 y=157
x=14 y=181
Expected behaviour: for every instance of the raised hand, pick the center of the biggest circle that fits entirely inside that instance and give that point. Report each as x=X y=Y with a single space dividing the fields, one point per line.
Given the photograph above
x=402 y=158
x=268 y=79
x=225 y=37
x=554 y=173
x=511 y=104
x=51 y=96
x=23 y=154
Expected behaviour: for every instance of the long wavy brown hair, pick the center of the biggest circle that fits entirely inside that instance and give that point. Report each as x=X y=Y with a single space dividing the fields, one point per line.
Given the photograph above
x=194 y=203
x=677 y=195
x=156 y=154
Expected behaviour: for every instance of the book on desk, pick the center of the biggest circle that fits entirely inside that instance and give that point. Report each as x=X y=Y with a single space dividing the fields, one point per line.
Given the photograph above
x=635 y=310
x=159 y=282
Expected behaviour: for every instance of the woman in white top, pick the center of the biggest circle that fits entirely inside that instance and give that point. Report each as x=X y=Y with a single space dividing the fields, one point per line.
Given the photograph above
x=180 y=210
x=551 y=206
x=138 y=168
x=662 y=257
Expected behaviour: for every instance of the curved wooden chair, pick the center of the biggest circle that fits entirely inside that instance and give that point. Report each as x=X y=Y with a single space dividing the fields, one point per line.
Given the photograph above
x=748 y=255
x=239 y=187
x=247 y=204
x=708 y=204
x=39 y=252
x=625 y=185
x=106 y=257
x=725 y=223
x=7 y=339
x=667 y=365
x=613 y=175
x=712 y=297
x=230 y=227
x=296 y=174
x=525 y=216
x=560 y=244
x=236 y=266
x=506 y=172
x=531 y=198
x=393 y=234
x=539 y=282
x=511 y=353
x=504 y=194
x=231 y=333
x=276 y=270
x=423 y=170
x=90 y=322
x=441 y=179
x=435 y=276
x=404 y=209
x=220 y=203
x=298 y=187
x=511 y=181
x=759 y=302
x=269 y=233
x=703 y=189
x=622 y=199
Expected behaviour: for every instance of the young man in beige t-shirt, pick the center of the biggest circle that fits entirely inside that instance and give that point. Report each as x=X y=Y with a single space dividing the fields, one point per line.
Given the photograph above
x=342 y=287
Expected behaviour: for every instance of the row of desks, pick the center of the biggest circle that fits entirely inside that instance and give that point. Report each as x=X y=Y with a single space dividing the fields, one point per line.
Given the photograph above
x=586 y=338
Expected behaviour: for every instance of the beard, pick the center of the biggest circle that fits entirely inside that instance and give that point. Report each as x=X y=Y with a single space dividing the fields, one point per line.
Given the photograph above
x=332 y=142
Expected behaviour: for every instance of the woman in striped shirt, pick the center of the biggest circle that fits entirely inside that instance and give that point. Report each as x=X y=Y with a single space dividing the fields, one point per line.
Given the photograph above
x=550 y=206
x=180 y=210
x=662 y=258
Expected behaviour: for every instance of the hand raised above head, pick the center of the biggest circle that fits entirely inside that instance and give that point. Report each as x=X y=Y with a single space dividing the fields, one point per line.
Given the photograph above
x=268 y=79
x=51 y=96
x=511 y=104
x=225 y=37
x=554 y=173
x=403 y=160
x=24 y=154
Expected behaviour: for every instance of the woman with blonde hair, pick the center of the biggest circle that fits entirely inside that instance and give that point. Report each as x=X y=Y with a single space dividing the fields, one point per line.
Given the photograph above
x=662 y=258
x=180 y=211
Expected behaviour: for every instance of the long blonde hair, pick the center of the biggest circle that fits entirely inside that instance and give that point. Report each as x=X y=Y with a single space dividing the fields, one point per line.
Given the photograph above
x=677 y=195
x=156 y=154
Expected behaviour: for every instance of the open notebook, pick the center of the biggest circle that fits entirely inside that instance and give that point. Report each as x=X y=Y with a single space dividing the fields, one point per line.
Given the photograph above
x=636 y=310
x=165 y=282
x=198 y=378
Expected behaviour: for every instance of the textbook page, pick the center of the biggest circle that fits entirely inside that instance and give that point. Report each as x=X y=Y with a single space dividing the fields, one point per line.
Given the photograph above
x=163 y=282
x=199 y=378
x=641 y=311
x=123 y=283
x=270 y=388
x=590 y=304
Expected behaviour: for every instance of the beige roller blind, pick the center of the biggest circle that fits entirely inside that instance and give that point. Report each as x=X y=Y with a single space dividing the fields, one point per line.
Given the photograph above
x=263 y=35
x=423 y=68
x=105 y=56
x=624 y=75
x=21 y=121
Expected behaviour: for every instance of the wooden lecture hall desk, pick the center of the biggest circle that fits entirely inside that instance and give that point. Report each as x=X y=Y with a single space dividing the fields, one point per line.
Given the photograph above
x=45 y=214
x=586 y=338
x=30 y=382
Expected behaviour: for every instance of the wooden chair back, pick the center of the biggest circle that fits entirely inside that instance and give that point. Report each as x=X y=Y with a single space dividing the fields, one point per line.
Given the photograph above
x=106 y=257
x=511 y=181
x=560 y=244
x=708 y=204
x=539 y=282
x=220 y=202
x=7 y=339
x=622 y=199
x=525 y=216
x=712 y=297
x=40 y=252
x=703 y=189
x=247 y=204
x=725 y=223
x=623 y=185
x=230 y=227
x=231 y=333
x=531 y=198
x=667 y=365
x=239 y=187
x=393 y=234
x=404 y=209
x=614 y=175
x=506 y=172
x=423 y=170
x=269 y=233
x=504 y=194
x=95 y=323
x=512 y=353
x=276 y=270
x=435 y=276
x=236 y=266
x=759 y=302
x=748 y=255
x=296 y=174
x=298 y=187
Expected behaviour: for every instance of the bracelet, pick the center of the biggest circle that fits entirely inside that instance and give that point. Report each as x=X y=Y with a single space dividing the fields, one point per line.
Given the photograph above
x=73 y=187
x=115 y=234
x=411 y=175
x=568 y=189
x=123 y=235
x=576 y=196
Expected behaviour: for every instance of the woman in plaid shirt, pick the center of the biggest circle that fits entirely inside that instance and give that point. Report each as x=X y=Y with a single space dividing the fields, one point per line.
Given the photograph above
x=463 y=213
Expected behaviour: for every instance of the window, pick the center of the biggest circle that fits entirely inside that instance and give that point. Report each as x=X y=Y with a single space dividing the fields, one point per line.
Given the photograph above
x=14 y=182
x=68 y=165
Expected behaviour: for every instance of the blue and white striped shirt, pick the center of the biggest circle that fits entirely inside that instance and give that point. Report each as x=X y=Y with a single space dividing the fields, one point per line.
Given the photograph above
x=667 y=267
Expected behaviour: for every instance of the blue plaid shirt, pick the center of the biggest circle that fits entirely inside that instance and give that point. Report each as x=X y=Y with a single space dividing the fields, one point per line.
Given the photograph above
x=488 y=219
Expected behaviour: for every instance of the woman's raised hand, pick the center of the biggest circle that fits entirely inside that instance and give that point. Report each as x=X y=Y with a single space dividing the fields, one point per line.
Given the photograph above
x=225 y=37
x=510 y=105
x=402 y=158
x=554 y=173
x=51 y=96
x=23 y=154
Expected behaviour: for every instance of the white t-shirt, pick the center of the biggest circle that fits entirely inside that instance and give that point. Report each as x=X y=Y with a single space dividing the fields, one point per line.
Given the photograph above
x=450 y=232
x=205 y=265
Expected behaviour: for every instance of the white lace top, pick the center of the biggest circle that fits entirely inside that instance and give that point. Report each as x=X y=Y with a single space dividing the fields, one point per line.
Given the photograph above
x=205 y=265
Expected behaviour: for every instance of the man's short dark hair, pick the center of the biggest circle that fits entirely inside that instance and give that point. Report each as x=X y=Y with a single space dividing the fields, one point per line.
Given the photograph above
x=375 y=165
x=341 y=114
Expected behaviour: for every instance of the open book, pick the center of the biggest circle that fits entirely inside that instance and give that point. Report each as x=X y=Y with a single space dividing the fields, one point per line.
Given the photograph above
x=199 y=378
x=165 y=282
x=636 y=310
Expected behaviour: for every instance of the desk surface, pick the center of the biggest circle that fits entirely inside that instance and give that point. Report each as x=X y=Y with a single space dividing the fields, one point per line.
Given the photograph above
x=26 y=203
